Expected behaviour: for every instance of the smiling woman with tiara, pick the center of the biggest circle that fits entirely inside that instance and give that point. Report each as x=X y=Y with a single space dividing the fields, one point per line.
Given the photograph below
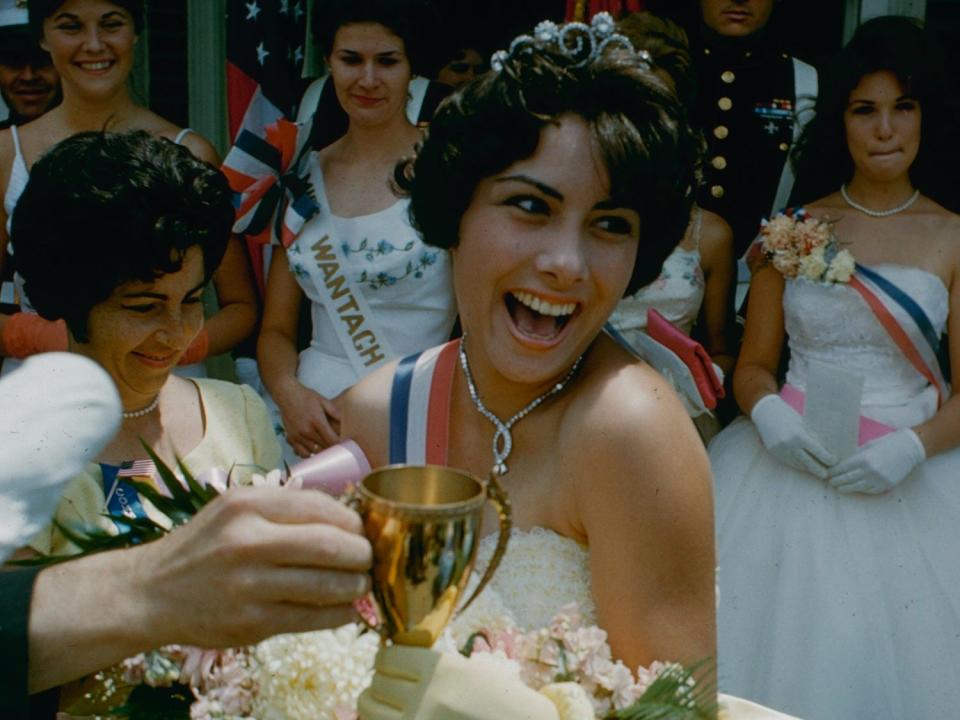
x=559 y=181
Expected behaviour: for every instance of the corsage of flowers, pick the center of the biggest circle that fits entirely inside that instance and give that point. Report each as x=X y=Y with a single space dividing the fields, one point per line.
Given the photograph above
x=571 y=663
x=799 y=245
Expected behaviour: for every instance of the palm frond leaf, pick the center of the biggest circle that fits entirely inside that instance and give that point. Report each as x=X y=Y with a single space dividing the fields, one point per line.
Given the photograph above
x=674 y=695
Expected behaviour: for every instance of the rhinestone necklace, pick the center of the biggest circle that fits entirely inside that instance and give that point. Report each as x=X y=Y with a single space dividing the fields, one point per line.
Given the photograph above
x=878 y=213
x=144 y=411
x=502 y=439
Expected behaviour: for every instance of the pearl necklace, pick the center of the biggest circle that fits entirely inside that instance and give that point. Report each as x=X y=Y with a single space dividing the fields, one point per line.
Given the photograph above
x=878 y=213
x=502 y=439
x=144 y=411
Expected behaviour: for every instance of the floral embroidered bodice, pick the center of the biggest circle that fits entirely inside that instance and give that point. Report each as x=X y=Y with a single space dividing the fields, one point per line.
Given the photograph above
x=677 y=293
x=407 y=285
x=540 y=573
x=830 y=323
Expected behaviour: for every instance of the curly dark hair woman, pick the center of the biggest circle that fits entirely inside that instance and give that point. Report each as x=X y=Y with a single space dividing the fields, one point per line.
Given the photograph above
x=128 y=208
x=559 y=181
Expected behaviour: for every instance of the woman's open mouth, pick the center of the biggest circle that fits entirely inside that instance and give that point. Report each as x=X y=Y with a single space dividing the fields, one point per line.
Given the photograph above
x=539 y=319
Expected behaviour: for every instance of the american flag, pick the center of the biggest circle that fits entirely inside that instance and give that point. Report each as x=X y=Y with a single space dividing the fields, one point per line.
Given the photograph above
x=266 y=43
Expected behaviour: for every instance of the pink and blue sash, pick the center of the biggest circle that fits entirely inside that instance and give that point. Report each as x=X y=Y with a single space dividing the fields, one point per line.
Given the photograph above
x=905 y=322
x=420 y=406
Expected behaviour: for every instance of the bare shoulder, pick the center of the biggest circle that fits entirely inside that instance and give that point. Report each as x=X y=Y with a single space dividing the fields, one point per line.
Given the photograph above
x=827 y=207
x=716 y=239
x=638 y=456
x=628 y=417
x=365 y=413
x=201 y=148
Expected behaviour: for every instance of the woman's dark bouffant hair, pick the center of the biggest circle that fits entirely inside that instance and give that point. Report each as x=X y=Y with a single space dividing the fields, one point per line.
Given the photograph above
x=639 y=127
x=416 y=22
x=102 y=209
x=40 y=10
x=900 y=46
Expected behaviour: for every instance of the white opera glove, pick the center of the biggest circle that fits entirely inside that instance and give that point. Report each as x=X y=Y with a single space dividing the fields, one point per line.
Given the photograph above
x=412 y=683
x=879 y=465
x=784 y=434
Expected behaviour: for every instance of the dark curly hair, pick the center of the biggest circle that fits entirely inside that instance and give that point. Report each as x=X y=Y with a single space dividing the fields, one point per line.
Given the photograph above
x=416 y=22
x=40 y=10
x=900 y=46
x=639 y=127
x=102 y=209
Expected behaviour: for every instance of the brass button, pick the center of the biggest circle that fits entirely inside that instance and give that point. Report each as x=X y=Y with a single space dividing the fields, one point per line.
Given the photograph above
x=784 y=147
x=719 y=162
x=725 y=103
x=717 y=191
x=720 y=132
x=727 y=76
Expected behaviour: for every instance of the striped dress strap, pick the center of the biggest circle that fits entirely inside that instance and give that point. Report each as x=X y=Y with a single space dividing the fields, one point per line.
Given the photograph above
x=420 y=406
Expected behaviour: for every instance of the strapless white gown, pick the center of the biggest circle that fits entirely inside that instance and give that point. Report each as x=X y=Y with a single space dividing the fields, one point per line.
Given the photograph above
x=832 y=605
x=540 y=573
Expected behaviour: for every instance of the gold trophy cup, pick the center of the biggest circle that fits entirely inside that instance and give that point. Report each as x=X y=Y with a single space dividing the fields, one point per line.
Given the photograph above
x=424 y=525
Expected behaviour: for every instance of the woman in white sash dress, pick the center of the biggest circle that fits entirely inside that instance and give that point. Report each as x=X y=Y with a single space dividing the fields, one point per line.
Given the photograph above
x=840 y=596
x=376 y=291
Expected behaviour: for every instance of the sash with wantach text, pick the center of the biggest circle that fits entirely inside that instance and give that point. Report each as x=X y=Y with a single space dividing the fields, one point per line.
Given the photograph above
x=361 y=337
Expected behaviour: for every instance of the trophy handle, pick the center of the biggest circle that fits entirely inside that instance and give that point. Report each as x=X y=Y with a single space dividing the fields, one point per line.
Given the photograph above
x=497 y=495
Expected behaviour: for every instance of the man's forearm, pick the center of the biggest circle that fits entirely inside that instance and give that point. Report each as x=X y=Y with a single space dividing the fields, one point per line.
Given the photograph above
x=86 y=614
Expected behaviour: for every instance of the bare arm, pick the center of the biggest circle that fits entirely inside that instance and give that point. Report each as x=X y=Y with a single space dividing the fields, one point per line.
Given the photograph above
x=647 y=509
x=237 y=316
x=756 y=371
x=311 y=421
x=716 y=257
x=254 y=563
x=236 y=295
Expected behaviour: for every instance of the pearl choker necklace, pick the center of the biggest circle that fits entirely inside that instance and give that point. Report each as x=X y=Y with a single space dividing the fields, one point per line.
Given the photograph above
x=878 y=213
x=502 y=439
x=144 y=411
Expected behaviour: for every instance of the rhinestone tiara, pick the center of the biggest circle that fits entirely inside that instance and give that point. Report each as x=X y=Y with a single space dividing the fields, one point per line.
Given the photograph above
x=578 y=41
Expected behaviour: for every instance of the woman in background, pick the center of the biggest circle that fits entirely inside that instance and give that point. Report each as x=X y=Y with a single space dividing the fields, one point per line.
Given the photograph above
x=376 y=291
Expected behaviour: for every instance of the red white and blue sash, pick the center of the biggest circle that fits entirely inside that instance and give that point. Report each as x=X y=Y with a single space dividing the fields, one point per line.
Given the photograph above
x=420 y=406
x=905 y=322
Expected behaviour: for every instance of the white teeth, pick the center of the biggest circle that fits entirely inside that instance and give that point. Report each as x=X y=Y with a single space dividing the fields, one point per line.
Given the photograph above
x=542 y=306
x=95 y=66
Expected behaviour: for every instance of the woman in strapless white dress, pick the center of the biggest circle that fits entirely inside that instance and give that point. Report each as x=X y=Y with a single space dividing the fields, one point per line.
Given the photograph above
x=553 y=209
x=840 y=596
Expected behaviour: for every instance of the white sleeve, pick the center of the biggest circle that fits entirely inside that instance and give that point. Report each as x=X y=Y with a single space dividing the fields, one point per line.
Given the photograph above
x=56 y=413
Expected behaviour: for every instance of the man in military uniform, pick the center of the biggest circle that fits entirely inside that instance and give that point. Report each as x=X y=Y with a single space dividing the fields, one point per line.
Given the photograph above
x=751 y=103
